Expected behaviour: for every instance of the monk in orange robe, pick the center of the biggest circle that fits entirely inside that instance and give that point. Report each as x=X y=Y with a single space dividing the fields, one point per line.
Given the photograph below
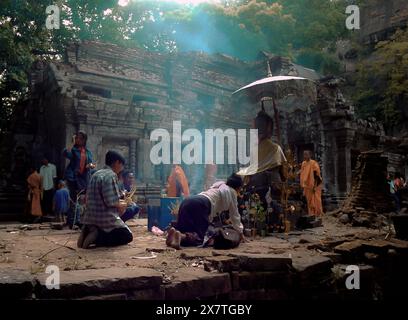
x=311 y=182
x=34 y=193
x=177 y=183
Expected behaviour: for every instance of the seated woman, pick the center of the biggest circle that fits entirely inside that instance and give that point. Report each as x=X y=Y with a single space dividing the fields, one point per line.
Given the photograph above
x=126 y=185
x=197 y=212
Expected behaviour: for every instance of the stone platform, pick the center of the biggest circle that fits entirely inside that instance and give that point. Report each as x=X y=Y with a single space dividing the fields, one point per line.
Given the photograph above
x=307 y=264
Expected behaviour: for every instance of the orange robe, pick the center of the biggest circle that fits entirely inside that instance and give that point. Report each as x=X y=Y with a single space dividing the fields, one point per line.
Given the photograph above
x=312 y=192
x=177 y=174
x=34 y=193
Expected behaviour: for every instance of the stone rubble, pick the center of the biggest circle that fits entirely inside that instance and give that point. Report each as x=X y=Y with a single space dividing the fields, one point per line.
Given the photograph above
x=312 y=269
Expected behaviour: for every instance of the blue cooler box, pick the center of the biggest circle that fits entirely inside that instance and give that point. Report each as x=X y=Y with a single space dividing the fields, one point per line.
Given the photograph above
x=160 y=216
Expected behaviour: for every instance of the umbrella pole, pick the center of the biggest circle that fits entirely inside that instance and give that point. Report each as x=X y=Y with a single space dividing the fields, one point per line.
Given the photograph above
x=275 y=111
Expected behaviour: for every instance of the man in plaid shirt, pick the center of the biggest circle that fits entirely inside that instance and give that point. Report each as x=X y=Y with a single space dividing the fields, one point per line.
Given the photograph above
x=102 y=223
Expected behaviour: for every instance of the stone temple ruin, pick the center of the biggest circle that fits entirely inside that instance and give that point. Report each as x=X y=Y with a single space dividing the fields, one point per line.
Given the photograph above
x=118 y=96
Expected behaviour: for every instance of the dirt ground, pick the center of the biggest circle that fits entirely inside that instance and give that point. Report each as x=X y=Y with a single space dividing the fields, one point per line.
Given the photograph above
x=32 y=250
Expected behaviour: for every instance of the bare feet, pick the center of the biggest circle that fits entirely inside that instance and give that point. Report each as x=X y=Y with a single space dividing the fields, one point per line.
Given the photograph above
x=170 y=236
x=90 y=237
x=173 y=239
x=177 y=240
x=82 y=236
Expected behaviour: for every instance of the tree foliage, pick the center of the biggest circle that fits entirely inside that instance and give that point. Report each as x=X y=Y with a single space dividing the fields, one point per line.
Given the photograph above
x=304 y=30
x=382 y=81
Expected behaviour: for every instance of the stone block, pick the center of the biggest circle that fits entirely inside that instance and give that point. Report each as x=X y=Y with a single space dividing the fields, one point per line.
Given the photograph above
x=238 y=295
x=334 y=257
x=190 y=254
x=80 y=283
x=350 y=251
x=260 y=280
x=311 y=266
x=259 y=294
x=194 y=283
x=382 y=246
x=16 y=284
x=117 y=296
x=262 y=262
x=222 y=263
x=148 y=294
x=268 y=294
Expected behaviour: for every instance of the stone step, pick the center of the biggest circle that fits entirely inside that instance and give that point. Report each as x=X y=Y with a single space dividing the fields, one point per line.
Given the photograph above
x=16 y=284
x=95 y=282
x=196 y=283
x=245 y=280
x=262 y=262
x=310 y=268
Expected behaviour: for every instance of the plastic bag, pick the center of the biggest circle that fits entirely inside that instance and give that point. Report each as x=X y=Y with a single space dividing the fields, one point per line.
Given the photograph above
x=157 y=231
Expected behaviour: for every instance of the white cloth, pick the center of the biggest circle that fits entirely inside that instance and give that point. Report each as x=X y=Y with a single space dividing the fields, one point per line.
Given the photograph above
x=270 y=156
x=223 y=198
x=48 y=173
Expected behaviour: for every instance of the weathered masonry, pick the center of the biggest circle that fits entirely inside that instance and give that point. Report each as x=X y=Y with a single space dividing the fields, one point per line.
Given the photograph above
x=118 y=96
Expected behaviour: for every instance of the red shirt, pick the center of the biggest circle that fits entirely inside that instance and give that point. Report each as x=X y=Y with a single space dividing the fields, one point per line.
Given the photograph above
x=82 y=162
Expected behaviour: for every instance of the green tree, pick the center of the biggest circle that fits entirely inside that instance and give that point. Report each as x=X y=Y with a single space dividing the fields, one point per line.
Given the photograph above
x=24 y=38
x=382 y=81
x=305 y=30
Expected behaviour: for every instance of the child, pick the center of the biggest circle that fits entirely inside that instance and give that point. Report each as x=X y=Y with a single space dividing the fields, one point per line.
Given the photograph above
x=61 y=202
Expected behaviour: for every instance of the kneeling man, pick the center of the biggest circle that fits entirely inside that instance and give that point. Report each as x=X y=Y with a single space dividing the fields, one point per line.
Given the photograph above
x=102 y=223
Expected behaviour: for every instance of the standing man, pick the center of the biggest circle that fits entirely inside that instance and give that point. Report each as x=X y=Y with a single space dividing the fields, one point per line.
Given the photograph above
x=80 y=164
x=48 y=173
x=102 y=223
x=311 y=182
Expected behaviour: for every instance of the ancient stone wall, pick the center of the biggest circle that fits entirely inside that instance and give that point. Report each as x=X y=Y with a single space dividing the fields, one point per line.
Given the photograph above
x=234 y=276
x=380 y=19
x=119 y=96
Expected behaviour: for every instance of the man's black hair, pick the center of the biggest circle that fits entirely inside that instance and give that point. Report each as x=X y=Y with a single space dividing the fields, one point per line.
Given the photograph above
x=84 y=136
x=112 y=156
x=234 y=181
